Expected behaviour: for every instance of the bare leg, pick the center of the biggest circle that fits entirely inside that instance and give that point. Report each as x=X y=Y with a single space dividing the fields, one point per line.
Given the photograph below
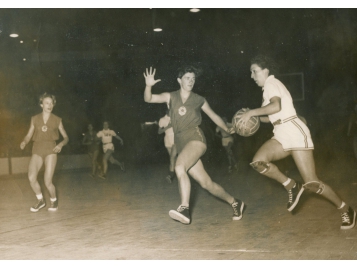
x=50 y=165
x=305 y=162
x=200 y=175
x=35 y=165
x=188 y=157
x=272 y=150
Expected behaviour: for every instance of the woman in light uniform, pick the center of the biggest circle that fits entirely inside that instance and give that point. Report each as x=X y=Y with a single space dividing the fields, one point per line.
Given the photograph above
x=291 y=137
x=108 y=148
x=44 y=130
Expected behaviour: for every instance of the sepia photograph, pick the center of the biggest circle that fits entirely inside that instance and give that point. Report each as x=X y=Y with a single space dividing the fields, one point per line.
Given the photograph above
x=178 y=133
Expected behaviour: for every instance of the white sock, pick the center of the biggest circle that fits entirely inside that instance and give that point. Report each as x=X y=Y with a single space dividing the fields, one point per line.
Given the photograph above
x=287 y=182
x=53 y=199
x=342 y=205
x=39 y=196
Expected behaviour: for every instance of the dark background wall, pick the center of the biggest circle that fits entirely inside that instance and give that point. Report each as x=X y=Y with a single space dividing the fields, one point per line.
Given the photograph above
x=93 y=61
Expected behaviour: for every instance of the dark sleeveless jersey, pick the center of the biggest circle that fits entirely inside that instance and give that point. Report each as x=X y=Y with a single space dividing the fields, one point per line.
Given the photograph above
x=186 y=115
x=48 y=131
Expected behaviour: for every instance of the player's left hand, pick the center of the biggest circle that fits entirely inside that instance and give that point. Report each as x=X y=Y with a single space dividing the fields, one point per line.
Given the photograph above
x=57 y=149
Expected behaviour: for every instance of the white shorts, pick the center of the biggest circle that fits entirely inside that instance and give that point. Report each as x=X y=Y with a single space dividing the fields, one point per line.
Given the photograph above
x=169 y=140
x=293 y=135
x=227 y=140
x=108 y=146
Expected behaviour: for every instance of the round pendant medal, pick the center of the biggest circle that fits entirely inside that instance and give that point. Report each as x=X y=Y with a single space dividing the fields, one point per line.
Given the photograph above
x=44 y=128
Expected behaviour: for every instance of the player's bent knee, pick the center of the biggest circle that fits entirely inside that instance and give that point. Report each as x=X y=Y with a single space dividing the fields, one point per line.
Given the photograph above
x=315 y=186
x=261 y=166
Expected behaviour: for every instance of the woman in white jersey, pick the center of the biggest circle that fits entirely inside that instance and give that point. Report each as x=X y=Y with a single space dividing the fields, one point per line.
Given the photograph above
x=108 y=148
x=291 y=137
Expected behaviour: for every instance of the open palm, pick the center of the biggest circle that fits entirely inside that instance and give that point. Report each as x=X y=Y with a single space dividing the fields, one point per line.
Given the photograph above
x=149 y=77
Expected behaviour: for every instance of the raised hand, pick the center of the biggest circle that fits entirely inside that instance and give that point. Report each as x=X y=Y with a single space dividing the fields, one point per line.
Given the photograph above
x=149 y=77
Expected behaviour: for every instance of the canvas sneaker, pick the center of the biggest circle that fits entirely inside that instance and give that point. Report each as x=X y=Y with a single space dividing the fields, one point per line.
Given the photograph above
x=40 y=204
x=182 y=214
x=294 y=196
x=238 y=207
x=348 y=219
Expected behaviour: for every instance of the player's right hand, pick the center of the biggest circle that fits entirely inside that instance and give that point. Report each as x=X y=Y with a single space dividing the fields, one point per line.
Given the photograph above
x=149 y=77
x=22 y=145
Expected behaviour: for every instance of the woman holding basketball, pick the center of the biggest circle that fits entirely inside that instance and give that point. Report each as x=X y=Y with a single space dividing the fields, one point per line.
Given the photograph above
x=44 y=131
x=291 y=137
x=185 y=113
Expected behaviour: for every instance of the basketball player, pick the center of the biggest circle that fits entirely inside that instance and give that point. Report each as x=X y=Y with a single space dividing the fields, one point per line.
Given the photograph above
x=92 y=141
x=291 y=137
x=227 y=143
x=44 y=131
x=185 y=113
x=165 y=126
x=108 y=148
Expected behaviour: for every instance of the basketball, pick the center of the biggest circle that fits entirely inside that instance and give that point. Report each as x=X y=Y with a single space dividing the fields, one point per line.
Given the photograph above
x=250 y=128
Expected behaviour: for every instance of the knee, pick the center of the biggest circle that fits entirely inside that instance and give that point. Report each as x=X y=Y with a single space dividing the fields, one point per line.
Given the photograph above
x=49 y=185
x=260 y=166
x=317 y=187
x=179 y=170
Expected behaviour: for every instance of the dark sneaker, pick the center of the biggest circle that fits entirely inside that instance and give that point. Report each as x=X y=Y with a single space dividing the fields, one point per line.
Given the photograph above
x=169 y=178
x=102 y=176
x=53 y=206
x=238 y=207
x=182 y=214
x=122 y=166
x=40 y=204
x=348 y=219
x=294 y=196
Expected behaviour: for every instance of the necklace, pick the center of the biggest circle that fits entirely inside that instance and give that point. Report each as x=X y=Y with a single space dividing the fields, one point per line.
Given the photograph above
x=44 y=127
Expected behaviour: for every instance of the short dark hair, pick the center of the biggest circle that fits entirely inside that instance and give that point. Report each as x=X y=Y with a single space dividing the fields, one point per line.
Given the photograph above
x=46 y=95
x=188 y=69
x=266 y=62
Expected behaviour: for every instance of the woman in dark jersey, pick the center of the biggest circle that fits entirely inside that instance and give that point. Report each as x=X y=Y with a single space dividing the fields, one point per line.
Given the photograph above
x=93 y=144
x=185 y=113
x=44 y=130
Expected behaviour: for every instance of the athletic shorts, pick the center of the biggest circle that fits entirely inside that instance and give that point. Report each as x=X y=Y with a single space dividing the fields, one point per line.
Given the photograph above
x=169 y=140
x=93 y=147
x=43 y=148
x=192 y=134
x=293 y=135
x=108 y=146
x=227 y=140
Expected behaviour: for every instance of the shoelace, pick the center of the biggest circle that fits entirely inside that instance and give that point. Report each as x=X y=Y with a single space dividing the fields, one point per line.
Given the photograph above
x=38 y=203
x=345 y=217
x=290 y=192
x=234 y=206
x=181 y=208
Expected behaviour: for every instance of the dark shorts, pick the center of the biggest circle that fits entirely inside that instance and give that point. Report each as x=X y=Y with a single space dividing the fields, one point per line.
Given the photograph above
x=192 y=134
x=43 y=148
x=92 y=148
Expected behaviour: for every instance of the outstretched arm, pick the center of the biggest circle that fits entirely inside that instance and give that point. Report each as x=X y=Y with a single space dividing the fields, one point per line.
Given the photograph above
x=150 y=82
x=28 y=136
x=215 y=117
x=120 y=139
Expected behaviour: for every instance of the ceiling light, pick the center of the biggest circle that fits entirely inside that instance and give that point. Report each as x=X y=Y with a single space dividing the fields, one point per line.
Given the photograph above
x=14 y=35
x=157 y=30
x=194 y=10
